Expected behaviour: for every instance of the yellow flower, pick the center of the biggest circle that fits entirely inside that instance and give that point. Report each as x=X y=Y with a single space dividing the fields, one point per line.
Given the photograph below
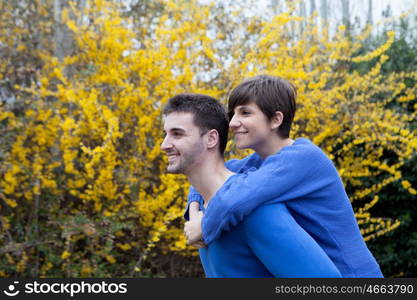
x=86 y=270
x=406 y=184
x=124 y=247
x=110 y=259
x=65 y=254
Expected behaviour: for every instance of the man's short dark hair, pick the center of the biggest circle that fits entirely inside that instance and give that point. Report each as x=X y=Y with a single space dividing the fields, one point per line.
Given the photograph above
x=271 y=94
x=208 y=114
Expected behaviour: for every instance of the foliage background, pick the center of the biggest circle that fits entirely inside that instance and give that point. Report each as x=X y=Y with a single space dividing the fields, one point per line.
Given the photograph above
x=83 y=188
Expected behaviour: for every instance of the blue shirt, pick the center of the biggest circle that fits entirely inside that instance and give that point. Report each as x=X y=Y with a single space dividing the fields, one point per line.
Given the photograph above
x=305 y=179
x=268 y=243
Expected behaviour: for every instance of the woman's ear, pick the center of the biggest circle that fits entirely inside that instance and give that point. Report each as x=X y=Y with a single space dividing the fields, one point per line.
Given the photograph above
x=277 y=120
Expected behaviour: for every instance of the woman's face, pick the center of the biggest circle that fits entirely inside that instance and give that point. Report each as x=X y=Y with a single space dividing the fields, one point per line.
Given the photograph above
x=250 y=127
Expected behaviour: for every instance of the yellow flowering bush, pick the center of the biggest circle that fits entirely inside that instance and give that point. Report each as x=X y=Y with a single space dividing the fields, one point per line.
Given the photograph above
x=83 y=187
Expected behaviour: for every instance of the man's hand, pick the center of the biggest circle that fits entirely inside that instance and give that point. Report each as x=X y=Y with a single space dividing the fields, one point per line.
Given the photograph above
x=199 y=244
x=193 y=232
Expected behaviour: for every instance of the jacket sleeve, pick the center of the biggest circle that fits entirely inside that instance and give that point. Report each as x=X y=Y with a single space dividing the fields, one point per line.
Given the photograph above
x=283 y=247
x=282 y=177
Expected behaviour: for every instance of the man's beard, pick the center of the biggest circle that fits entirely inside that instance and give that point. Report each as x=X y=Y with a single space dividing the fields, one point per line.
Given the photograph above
x=181 y=164
x=185 y=161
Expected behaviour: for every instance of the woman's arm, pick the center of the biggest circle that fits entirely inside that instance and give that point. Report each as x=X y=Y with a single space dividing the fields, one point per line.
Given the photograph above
x=233 y=165
x=296 y=172
x=194 y=200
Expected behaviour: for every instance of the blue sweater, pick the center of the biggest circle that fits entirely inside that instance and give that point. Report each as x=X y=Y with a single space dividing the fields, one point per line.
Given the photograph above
x=268 y=243
x=305 y=179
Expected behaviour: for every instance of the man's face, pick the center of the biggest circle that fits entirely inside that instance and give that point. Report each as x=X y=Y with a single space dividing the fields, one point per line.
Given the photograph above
x=183 y=143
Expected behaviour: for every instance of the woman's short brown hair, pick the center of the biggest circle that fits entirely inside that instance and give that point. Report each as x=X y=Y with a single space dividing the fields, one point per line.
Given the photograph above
x=271 y=94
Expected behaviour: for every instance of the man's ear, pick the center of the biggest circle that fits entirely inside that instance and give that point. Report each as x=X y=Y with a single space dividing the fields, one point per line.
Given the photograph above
x=277 y=120
x=212 y=138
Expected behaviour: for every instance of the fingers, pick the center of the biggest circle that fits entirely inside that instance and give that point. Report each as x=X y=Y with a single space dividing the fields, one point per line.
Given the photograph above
x=199 y=244
x=188 y=233
x=192 y=231
x=194 y=209
x=193 y=240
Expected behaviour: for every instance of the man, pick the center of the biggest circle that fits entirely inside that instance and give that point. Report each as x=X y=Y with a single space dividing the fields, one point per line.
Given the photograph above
x=282 y=170
x=268 y=243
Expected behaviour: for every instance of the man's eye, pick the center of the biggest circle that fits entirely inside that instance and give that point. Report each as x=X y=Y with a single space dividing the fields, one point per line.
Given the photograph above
x=245 y=112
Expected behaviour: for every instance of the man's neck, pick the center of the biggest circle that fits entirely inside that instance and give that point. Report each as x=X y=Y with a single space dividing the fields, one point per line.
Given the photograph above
x=208 y=177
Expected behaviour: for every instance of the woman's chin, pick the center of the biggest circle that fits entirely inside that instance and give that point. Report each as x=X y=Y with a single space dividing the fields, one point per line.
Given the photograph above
x=242 y=146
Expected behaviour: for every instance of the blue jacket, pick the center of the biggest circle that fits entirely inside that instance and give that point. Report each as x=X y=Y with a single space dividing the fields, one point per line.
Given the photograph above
x=305 y=179
x=268 y=243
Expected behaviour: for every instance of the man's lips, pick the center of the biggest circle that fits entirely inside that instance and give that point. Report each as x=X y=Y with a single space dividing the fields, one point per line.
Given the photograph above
x=172 y=157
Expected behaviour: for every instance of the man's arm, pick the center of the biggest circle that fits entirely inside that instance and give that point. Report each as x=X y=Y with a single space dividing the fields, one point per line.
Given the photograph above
x=284 y=248
x=295 y=172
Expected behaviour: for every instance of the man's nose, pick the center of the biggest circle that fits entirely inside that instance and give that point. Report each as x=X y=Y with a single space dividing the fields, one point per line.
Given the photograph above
x=166 y=144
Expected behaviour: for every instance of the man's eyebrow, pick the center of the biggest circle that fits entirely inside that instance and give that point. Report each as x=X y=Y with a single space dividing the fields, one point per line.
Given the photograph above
x=177 y=129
